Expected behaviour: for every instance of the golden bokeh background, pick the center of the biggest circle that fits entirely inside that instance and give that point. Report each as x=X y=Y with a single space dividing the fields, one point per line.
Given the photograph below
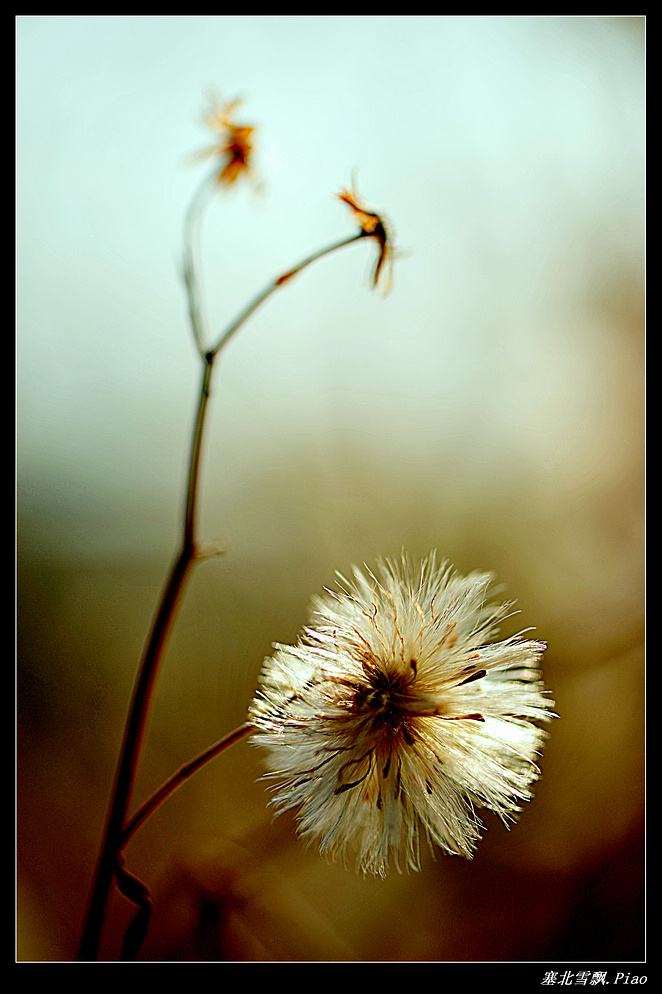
x=491 y=407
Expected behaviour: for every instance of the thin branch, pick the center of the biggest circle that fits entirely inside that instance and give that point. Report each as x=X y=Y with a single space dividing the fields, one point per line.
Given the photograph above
x=136 y=891
x=277 y=283
x=107 y=868
x=183 y=774
x=133 y=735
x=192 y=224
x=188 y=536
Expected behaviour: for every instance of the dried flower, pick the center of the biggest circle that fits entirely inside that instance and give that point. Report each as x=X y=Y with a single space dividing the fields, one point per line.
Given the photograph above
x=234 y=147
x=396 y=714
x=372 y=225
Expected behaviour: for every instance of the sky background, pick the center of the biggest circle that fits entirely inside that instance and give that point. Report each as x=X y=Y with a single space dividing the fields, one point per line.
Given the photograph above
x=507 y=153
x=491 y=406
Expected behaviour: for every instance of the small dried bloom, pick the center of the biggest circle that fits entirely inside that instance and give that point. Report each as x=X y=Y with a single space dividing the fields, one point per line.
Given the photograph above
x=396 y=715
x=372 y=225
x=234 y=146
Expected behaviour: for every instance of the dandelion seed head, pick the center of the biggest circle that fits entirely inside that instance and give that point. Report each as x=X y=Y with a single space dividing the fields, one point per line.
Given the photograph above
x=396 y=715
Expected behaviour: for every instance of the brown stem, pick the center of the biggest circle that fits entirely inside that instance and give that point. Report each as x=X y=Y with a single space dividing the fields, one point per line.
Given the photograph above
x=138 y=711
x=181 y=776
x=277 y=283
x=113 y=841
x=130 y=748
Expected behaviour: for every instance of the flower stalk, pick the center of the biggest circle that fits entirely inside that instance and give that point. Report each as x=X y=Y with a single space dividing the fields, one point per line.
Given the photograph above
x=118 y=831
x=183 y=774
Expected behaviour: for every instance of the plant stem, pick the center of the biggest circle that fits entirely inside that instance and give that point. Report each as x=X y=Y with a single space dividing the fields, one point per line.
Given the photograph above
x=277 y=283
x=181 y=776
x=116 y=834
x=129 y=754
x=139 y=708
x=191 y=236
x=142 y=694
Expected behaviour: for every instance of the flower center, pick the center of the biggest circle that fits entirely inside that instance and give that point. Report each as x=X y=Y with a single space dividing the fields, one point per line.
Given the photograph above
x=384 y=702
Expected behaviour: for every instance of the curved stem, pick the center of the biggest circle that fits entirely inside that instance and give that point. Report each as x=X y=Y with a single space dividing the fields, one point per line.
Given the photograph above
x=138 y=711
x=188 y=537
x=277 y=283
x=130 y=748
x=191 y=236
x=113 y=841
x=181 y=776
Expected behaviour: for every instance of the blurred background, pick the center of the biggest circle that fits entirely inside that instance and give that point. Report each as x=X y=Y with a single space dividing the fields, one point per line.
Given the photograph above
x=491 y=407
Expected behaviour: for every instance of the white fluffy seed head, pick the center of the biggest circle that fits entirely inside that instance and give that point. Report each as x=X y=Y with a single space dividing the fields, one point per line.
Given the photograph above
x=396 y=715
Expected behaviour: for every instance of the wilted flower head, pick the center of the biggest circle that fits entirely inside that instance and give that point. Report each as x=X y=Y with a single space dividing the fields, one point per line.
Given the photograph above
x=234 y=146
x=397 y=714
x=374 y=226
